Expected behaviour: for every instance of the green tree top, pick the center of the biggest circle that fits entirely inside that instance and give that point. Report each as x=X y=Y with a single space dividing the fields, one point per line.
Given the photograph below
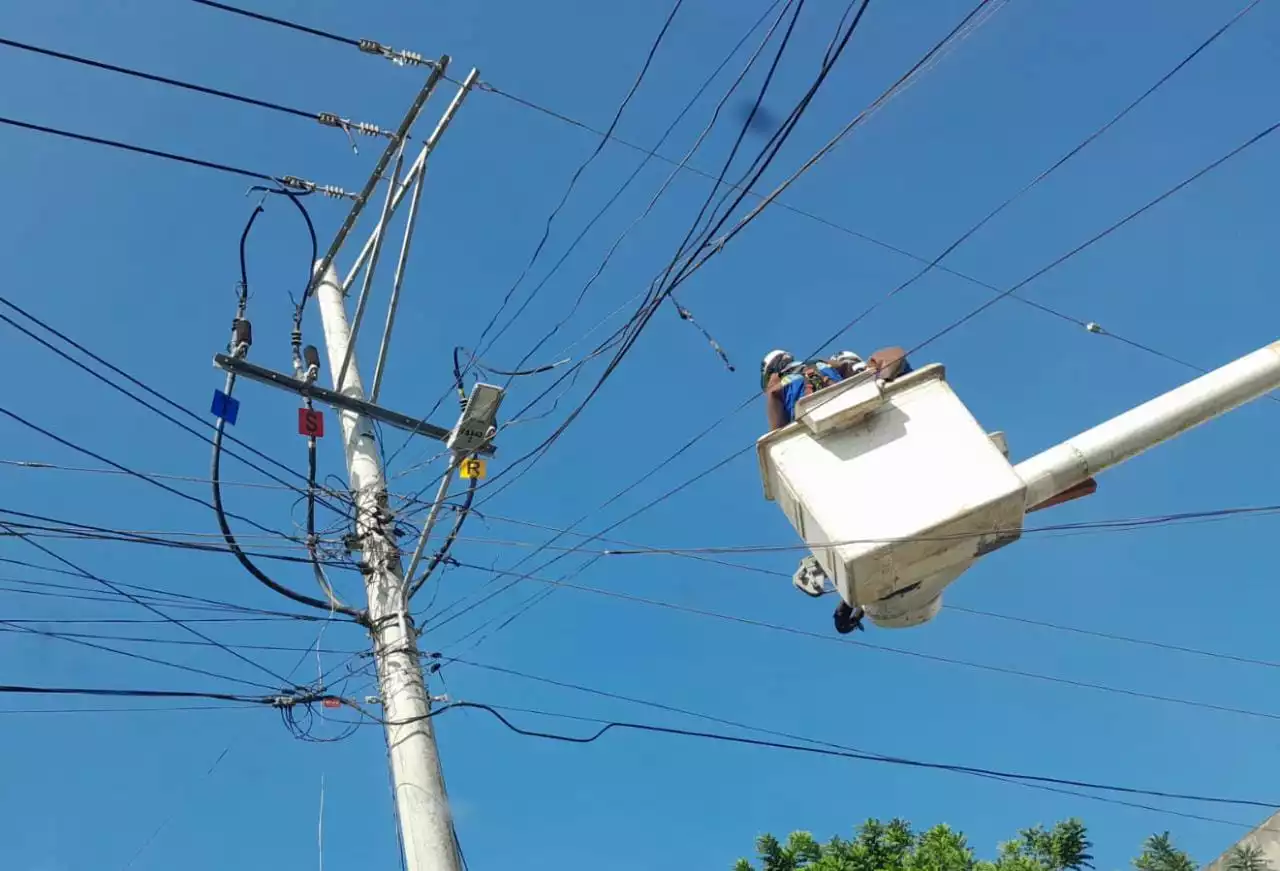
x=895 y=846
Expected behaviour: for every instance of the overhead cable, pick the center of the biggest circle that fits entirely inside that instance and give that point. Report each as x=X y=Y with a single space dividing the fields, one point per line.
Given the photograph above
x=688 y=106
x=607 y=726
x=63 y=337
x=1072 y=253
x=906 y=77
x=582 y=167
x=883 y=648
x=137 y=149
x=85 y=573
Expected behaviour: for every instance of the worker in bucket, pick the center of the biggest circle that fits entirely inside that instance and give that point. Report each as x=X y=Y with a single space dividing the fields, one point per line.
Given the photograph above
x=784 y=382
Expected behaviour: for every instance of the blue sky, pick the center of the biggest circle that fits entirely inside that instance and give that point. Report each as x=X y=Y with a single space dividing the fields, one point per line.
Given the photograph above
x=136 y=257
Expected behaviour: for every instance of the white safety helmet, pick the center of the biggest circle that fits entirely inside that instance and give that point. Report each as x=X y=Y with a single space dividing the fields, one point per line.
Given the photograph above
x=846 y=357
x=774 y=361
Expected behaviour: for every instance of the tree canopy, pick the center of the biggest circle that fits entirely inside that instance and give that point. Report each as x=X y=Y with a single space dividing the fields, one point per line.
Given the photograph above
x=896 y=846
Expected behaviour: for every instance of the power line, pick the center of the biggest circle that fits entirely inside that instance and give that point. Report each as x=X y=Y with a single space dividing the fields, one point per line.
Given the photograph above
x=43 y=633
x=138 y=149
x=136 y=621
x=280 y=22
x=582 y=167
x=22 y=689
x=662 y=288
x=1239 y=149
x=838 y=639
x=184 y=642
x=1037 y=274
x=1029 y=785
x=1034 y=182
x=145 y=387
x=1037 y=180
x=1111 y=636
x=793 y=737
x=370 y=47
x=153 y=609
x=131 y=710
x=920 y=64
x=697 y=95
x=89 y=532
x=607 y=726
x=100 y=458
x=155 y=591
x=163 y=80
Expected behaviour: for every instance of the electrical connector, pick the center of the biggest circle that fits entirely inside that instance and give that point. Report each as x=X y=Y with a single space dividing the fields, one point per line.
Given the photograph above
x=364 y=128
x=327 y=190
x=396 y=56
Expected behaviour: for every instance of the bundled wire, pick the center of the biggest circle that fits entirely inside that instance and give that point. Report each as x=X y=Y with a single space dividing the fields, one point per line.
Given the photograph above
x=675 y=273
x=241 y=340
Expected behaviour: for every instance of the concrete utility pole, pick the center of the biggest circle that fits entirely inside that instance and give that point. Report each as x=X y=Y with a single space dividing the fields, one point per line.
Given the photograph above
x=426 y=826
x=425 y=822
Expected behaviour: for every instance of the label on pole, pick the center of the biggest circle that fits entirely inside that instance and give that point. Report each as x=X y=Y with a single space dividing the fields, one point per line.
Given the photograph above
x=472 y=468
x=225 y=407
x=310 y=423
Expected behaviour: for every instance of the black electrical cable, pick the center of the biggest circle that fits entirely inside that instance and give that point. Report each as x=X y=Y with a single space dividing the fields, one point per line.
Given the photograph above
x=229 y=537
x=89 y=532
x=794 y=737
x=167 y=400
x=442 y=553
x=884 y=648
x=17 y=689
x=600 y=213
x=744 y=130
x=213 y=603
x=85 y=573
x=44 y=633
x=137 y=149
x=750 y=399
x=301 y=28
x=295 y=198
x=122 y=468
x=137 y=621
x=183 y=642
x=163 y=80
x=512 y=373
x=765 y=158
x=573 y=180
x=650 y=307
x=607 y=726
x=64 y=592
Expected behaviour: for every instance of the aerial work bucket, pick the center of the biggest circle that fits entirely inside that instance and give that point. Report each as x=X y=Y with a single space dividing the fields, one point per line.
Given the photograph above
x=895 y=488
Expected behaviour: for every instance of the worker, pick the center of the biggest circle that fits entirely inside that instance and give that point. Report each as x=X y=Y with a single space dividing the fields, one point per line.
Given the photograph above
x=785 y=382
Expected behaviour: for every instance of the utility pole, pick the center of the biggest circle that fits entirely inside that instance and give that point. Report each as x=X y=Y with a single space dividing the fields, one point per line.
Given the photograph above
x=426 y=825
x=423 y=807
